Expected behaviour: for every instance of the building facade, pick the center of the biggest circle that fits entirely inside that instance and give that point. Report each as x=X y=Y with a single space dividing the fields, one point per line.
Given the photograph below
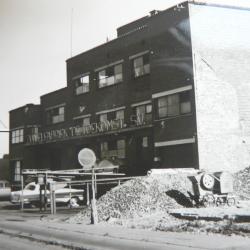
x=133 y=100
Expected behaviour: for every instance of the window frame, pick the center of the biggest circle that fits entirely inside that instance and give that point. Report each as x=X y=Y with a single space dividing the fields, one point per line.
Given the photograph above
x=81 y=122
x=17 y=174
x=169 y=104
x=110 y=75
x=79 y=85
x=103 y=117
x=17 y=136
x=143 y=68
x=53 y=115
x=147 y=114
x=108 y=151
x=122 y=117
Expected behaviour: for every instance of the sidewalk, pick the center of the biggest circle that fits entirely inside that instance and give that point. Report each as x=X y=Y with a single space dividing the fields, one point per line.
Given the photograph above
x=79 y=236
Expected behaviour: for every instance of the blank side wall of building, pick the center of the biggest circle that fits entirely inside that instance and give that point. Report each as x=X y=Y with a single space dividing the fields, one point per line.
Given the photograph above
x=221 y=52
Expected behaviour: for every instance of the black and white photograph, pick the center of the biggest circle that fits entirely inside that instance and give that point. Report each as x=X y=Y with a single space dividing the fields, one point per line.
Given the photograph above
x=125 y=125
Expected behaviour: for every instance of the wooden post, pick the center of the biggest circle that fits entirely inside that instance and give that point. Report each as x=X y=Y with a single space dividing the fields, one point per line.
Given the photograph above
x=45 y=192
x=94 y=217
x=88 y=195
x=22 y=201
x=54 y=200
x=51 y=198
x=40 y=198
x=70 y=196
x=95 y=185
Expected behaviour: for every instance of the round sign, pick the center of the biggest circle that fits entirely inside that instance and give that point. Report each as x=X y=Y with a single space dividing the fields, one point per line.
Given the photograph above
x=87 y=158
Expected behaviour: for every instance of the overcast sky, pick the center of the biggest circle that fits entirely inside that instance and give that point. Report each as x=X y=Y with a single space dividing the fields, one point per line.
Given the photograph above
x=35 y=42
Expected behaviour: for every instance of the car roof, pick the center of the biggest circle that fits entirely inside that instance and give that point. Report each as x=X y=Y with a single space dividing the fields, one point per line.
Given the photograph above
x=3 y=181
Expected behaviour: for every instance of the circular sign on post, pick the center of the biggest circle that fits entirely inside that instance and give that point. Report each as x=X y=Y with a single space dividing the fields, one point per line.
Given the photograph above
x=87 y=158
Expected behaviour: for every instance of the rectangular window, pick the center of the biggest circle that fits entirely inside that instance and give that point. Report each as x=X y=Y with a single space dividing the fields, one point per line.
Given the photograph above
x=103 y=117
x=144 y=113
x=104 y=150
x=34 y=130
x=110 y=76
x=185 y=104
x=145 y=142
x=55 y=115
x=82 y=122
x=113 y=149
x=17 y=136
x=141 y=66
x=17 y=171
x=119 y=115
x=82 y=84
x=174 y=105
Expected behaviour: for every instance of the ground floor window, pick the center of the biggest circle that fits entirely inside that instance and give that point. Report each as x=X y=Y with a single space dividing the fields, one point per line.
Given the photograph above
x=113 y=149
x=17 y=171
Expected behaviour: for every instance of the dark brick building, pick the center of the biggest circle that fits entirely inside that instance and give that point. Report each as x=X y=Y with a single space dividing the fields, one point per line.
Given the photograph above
x=130 y=99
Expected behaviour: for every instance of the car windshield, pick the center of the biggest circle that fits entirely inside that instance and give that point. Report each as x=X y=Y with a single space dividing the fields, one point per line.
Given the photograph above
x=30 y=187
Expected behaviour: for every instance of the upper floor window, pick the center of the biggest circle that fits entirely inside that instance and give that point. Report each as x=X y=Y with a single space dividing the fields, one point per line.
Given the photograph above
x=110 y=75
x=55 y=115
x=103 y=117
x=141 y=65
x=17 y=136
x=82 y=84
x=173 y=105
x=83 y=121
x=115 y=115
x=119 y=115
x=34 y=130
x=143 y=113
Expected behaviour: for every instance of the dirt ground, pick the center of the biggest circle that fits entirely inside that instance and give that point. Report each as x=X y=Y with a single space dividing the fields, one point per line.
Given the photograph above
x=148 y=203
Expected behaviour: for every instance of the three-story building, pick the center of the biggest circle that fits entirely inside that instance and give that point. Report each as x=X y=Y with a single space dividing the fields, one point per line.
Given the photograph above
x=133 y=100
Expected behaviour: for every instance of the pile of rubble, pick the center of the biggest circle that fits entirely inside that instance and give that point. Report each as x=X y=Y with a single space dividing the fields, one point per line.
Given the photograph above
x=242 y=184
x=141 y=197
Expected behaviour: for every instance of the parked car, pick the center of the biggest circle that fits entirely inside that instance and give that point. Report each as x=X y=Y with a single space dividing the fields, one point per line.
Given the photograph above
x=4 y=190
x=31 y=194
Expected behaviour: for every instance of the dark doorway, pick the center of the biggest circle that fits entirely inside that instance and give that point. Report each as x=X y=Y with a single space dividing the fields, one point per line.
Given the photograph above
x=143 y=155
x=55 y=158
x=177 y=156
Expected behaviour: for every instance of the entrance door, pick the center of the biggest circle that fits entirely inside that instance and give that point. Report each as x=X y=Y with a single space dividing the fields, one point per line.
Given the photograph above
x=143 y=155
x=55 y=159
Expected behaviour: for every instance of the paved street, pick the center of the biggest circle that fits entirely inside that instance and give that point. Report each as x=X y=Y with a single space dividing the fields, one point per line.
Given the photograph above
x=9 y=242
x=32 y=230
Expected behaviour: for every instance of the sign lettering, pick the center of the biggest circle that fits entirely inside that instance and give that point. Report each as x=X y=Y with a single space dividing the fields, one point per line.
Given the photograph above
x=81 y=131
